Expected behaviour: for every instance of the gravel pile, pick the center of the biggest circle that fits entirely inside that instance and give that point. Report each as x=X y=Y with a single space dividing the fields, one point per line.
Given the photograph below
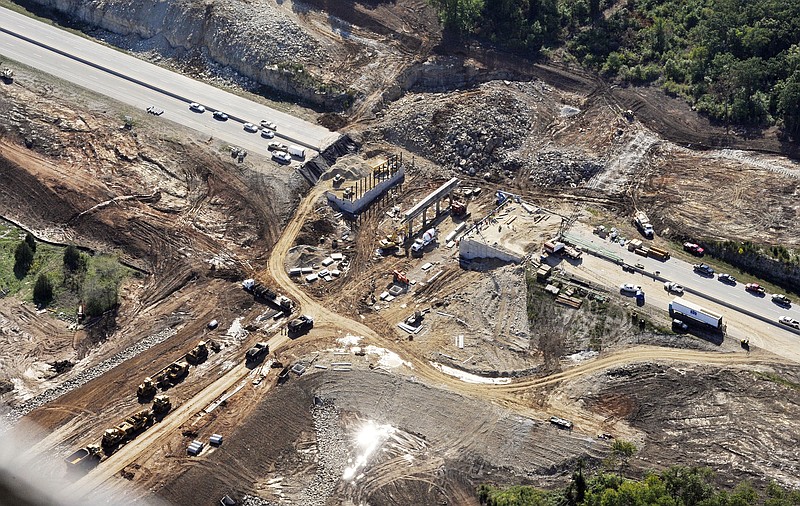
x=331 y=454
x=466 y=134
x=559 y=168
x=83 y=377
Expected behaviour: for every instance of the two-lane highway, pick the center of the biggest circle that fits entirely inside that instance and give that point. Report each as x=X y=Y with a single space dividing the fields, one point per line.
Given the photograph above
x=142 y=84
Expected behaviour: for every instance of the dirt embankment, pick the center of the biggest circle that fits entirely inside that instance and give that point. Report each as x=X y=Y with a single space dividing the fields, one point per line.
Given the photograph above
x=67 y=171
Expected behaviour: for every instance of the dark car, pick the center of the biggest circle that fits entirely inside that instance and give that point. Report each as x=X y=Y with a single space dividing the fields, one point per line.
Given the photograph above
x=221 y=116
x=727 y=278
x=781 y=300
x=703 y=269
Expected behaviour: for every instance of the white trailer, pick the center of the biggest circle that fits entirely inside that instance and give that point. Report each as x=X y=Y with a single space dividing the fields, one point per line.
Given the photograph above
x=297 y=151
x=643 y=223
x=688 y=311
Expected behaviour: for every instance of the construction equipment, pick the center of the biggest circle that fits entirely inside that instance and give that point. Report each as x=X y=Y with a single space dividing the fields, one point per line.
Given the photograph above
x=126 y=430
x=7 y=75
x=197 y=354
x=256 y=353
x=420 y=243
x=400 y=277
x=642 y=222
x=260 y=291
x=172 y=374
x=161 y=405
x=147 y=389
x=84 y=457
x=391 y=241
x=300 y=325
x=458 y=209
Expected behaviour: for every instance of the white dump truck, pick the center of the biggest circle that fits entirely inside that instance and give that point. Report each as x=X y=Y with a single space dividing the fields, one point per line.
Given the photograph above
x=642 y=222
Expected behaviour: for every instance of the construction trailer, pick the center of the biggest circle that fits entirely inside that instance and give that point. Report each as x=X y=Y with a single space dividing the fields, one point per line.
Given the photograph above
x=692 y=313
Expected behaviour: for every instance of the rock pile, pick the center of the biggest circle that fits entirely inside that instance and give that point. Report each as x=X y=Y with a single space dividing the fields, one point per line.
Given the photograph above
x=560 y=168
x=331 y=452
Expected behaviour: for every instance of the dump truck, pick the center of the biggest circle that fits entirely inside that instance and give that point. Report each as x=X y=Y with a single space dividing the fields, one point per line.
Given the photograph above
x=692 y=313
x=161 y=405
x=84 y=457
x=260 y=291
x=198 y=354
x=256 y=353
x=300 y=325
x=642 y=222
x=146 y=389
x=126 y=430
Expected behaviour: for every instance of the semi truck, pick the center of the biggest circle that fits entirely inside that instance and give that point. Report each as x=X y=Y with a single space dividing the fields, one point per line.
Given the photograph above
x=260 y=291
x=692 y=313
x=642 y=222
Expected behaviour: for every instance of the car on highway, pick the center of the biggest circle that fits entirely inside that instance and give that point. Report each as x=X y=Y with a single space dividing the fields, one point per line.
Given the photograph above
x=277 y=146
x=694 y=249
x=268 y=125
x=267 y=134
x=194 y=106
x=281 y=157
x=781 y=300
x=221 y=116
x=703 y=269
x=673 y=287
x=755 y=289
x=155 y=110
x=727 y=278
x=249 y=127
x=791 y=322
x=629 y=288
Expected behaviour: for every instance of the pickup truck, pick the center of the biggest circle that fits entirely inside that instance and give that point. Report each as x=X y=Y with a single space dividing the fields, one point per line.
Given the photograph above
x=755 y=288
x=703 y=269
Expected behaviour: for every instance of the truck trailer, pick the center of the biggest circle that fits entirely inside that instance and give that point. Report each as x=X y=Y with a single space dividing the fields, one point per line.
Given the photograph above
x=692 y=313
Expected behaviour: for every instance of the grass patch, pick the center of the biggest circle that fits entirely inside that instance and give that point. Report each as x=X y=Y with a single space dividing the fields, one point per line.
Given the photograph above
x=776 y=378
x=96 y=280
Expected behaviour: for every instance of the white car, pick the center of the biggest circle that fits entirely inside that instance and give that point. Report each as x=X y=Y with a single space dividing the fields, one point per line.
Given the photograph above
x=249 y=127
x=267 y=134
x=194 y=106
x=281 y=157
x=268 y=124
x=673 y=287
x=629 y=288
x=791 y=322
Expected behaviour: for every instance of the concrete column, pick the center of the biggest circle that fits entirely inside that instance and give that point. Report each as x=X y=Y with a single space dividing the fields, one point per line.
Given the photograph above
x=437 y=208
x=424 y=218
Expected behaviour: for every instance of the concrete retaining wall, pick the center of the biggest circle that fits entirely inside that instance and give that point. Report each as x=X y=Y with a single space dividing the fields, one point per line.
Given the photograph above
x=355 y=207
x=470 y=248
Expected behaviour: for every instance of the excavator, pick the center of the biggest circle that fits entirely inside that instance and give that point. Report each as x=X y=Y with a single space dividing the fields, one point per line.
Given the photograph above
x=391 y=241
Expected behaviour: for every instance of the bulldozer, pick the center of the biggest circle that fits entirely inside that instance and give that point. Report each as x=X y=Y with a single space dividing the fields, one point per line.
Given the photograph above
x=147 y=389
x=198 y=354
x=125 y=430
x=161 y=405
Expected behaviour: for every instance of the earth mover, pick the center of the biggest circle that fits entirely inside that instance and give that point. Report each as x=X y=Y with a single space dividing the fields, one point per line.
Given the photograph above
x=161 y=405
x=256 y=353
x=198 y=354
x=172 y=374
x=125 y=430
x=147 y=389
x=300 y=325
x=84 y=457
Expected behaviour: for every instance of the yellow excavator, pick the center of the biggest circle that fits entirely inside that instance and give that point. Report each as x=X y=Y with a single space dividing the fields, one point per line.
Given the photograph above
x=391 y=241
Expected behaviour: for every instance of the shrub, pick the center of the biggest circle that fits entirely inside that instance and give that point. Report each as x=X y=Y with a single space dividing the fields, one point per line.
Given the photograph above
x=72 y=258
x=43 y=290
x=23 y=259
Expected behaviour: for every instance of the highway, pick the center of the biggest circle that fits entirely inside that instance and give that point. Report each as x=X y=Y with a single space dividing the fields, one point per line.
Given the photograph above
x=682 y=273
x=140 y=84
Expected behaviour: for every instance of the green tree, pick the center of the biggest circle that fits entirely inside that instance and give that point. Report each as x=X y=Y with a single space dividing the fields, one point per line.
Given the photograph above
x=72 y=258
x=43 y=290
x=789 y=104
x=460 y=16
x=621 y=452
x=23 y=259
x=31 y=241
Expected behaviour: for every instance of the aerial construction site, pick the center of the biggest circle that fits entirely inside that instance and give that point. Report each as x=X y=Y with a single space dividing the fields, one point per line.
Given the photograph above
x=399 y=269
